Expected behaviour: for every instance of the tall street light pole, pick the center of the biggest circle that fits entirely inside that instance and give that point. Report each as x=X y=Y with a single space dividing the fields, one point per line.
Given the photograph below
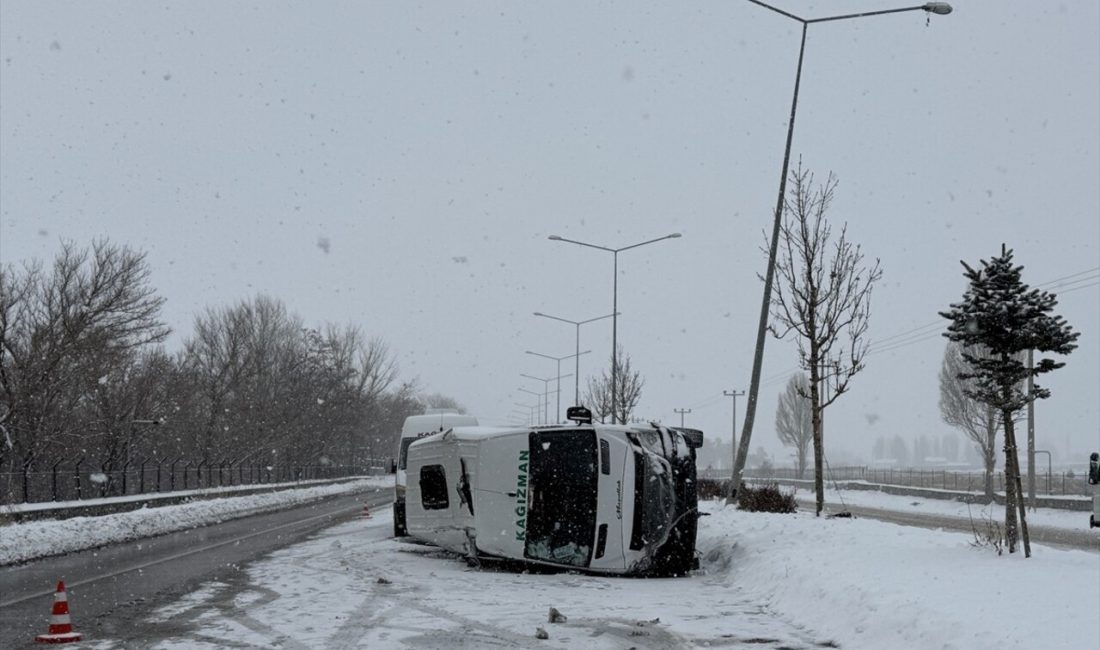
x=578 y=323
x=557 y=413
x=538 y=399
x=545 y=392
x=939 y=8
x=614 y=304
x=530 y=411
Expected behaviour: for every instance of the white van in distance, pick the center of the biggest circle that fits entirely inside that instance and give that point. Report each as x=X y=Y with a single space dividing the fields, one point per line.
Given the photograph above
x=418 y=426
x=598 y=498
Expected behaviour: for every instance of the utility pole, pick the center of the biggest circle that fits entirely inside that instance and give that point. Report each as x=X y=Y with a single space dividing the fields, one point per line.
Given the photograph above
x=733 y=436
x=682 y=412
x=1031 y=429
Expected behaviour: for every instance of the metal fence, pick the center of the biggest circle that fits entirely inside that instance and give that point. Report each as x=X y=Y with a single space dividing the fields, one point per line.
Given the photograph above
x=1046 y=483
x=73 y=480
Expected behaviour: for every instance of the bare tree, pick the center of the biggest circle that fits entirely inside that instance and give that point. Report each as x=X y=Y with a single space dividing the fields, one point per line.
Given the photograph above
x=597 y=395
x=980 y=422
x=217 y=360
x=124 y=403
x=376 y=369
x=440 y=401
x=823 y=297
x=62 y=327
x=270 y=387
x=794 y=420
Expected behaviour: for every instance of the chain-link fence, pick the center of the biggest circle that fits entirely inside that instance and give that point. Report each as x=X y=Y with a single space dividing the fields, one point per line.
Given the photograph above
x=76 y=479
x=1046 y=483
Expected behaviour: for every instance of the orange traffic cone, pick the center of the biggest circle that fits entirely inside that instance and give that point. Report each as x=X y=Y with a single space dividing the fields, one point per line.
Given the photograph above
x=61 y=629
x=366 y=511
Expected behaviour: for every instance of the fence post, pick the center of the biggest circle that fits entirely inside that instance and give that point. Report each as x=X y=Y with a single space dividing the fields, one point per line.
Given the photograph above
x=104 y=484
x=26 y=484
x=159 y=461
x=198 y=475
x=125 y=467
x=76 y=475
x=53 y=480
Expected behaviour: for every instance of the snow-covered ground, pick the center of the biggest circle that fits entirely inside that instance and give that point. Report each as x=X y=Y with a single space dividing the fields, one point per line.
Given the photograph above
x=33 y=539
x=766 y=580
x=1054 y=518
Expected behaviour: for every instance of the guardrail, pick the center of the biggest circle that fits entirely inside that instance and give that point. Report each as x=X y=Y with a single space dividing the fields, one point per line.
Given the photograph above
x=74 y=480
x=1050 y=484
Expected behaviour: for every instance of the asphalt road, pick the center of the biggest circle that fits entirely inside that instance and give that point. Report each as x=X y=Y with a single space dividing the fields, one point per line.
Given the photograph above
x=1085 y=540
x=111 y=588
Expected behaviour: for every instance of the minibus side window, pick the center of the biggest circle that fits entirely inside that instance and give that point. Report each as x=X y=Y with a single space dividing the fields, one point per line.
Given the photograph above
x=433 y=488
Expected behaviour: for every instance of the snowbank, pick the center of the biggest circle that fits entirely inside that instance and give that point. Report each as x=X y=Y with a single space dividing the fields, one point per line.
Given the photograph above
x=868 y=584
x=25 y=541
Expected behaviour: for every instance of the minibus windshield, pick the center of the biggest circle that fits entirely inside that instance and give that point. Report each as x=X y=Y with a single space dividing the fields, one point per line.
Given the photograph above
x=561 y=518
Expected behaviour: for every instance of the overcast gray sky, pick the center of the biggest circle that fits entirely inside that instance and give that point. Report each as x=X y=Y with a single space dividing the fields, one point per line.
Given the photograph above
x=400 y=167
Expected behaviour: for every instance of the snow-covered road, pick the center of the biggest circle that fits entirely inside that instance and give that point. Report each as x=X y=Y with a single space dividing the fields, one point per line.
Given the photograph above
x=356 y=587
x=791 y=581
x=767 y=581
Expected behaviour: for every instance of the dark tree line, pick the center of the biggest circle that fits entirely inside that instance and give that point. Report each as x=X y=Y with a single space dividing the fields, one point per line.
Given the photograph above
x=83 y=373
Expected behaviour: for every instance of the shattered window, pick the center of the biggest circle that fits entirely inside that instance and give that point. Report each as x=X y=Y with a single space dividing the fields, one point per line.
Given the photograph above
x=433 y=488
x=561 y=520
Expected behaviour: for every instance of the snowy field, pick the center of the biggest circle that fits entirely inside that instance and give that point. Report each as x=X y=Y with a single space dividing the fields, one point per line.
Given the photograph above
x=767 y=581
x=34 y=539
x=1067 y=519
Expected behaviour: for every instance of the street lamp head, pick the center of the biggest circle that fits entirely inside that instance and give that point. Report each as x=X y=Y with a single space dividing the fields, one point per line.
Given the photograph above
x=539 y=313
x=554 y=238
x=676 y=234
x=938 y=8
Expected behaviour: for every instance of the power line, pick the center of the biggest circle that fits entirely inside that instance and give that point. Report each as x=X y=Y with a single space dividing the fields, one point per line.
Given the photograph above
x=1072 y=275
x=1084 y=286
x=903 y=344
x=928 y=331
x=917 y=335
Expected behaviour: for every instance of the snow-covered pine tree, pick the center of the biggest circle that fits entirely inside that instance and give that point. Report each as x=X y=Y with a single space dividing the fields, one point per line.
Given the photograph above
x=1005 y=317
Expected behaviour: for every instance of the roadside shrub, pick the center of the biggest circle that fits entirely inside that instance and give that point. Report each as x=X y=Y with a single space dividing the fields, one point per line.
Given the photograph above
x=987 y=533
x=711 y=488
x=765 y=498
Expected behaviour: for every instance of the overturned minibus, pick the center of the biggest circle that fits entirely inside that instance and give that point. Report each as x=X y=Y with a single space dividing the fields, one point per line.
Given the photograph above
x=606 y=499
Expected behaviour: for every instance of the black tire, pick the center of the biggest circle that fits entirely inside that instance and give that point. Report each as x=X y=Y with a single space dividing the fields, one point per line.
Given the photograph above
x=400 y=528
